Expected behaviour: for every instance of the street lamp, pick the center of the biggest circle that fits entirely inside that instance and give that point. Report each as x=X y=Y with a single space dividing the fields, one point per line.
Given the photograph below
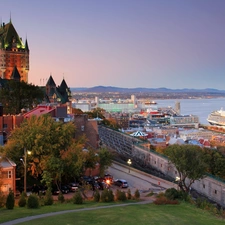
x=178 y=180
x=25 y=168
x=129 y=163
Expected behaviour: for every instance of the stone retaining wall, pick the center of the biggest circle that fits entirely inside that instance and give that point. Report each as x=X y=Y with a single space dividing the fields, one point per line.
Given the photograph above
x=212 y=188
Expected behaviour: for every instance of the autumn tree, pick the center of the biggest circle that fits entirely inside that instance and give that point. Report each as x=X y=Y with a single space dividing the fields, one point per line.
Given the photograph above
x=190 y=163
x=105 y=160
x=16 y=96
x=45 y=139
x=77 y=111
x=74 y=160
x=97 y=112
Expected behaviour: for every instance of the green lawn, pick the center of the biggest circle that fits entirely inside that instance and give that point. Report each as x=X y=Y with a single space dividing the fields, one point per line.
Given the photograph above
x=133 y=215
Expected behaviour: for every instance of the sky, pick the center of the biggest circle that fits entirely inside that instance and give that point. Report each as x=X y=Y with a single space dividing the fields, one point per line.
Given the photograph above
x=123 y=43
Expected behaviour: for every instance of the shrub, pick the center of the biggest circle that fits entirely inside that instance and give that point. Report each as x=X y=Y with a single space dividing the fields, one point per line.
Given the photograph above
x=203 y=204
x=22 y=201
x=48 y=199
x=121 y=196
x=172 y=193
x=2 y=200
x=10 y=201
x=184 y=196
x=107 y=196
x=61 y=197
x=33 y=201
x=77 y=198
x=110 y=196
x=104 y=196
x=163 y=200
x=129 y=194
x=137 y=194
x=150 y=194
x=160 y=194
x=96 y=196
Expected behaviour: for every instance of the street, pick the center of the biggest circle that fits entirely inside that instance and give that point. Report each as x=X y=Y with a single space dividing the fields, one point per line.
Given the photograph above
x=138 y=180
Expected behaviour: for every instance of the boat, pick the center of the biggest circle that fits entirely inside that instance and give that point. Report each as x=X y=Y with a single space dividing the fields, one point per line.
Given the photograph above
x=217 y=118
x=151 y=103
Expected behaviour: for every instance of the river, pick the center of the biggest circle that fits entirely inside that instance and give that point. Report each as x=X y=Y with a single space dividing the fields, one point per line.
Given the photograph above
x=199 y=107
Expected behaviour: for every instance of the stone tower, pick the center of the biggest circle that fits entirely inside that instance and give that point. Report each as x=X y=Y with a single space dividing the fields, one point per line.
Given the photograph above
x=14 y=54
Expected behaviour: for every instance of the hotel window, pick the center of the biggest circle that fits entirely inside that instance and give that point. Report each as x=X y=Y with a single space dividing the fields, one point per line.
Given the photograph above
x=215 y=191
x=9 y=174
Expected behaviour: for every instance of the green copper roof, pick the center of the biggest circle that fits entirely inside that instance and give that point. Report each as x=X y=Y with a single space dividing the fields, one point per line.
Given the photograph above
x=51 y=82
x=63 y=84
x=26 y=46
x=10 y=37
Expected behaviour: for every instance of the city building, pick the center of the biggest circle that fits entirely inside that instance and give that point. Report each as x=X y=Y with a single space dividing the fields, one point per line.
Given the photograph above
x=7 y=176
x=14 y=54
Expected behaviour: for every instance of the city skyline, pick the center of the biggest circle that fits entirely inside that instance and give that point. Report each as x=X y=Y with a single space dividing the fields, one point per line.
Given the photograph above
x=127 y=43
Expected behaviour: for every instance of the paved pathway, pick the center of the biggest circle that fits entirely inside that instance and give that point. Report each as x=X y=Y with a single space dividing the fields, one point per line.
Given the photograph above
x=25 y=219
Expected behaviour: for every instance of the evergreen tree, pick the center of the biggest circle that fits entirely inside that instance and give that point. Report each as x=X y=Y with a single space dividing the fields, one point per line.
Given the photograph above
x=10 y=201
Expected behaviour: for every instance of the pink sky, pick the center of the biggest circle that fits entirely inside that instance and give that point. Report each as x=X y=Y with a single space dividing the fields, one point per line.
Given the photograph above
x=123 y=43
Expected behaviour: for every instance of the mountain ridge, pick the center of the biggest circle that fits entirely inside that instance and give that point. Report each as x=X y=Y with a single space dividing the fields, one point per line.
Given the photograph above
x=144 y=90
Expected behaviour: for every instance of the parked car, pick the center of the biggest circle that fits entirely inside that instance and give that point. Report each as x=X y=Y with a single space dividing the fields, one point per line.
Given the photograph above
x=55 y=190
x=65 y=189
x=42 y=189
x=95 y=186
x=74 y=186
x=108 y=178
x=103 y=185
x=121 y=183
x=87 y=180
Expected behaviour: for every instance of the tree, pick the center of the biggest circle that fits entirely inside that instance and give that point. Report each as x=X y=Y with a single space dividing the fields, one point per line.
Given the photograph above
x=90 y=159
x=97 y=112
x=77 y=111
x=105 y=160
x=10 y=201
x=190 y=163
x=215 y=161
x=45 y=138
x=16 y=96
x=74 y=160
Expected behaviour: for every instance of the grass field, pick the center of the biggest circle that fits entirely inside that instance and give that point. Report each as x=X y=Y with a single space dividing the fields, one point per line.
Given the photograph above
x=182 y=214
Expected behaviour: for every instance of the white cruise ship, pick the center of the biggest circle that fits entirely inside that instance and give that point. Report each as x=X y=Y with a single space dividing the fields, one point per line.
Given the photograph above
x=217 y=118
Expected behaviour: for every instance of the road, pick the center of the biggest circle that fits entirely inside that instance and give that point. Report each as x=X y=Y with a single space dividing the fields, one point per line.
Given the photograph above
x=138 y=180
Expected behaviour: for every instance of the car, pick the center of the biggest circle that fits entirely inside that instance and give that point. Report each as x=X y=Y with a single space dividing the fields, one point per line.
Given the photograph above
x=55 y=190
x=42 y=189
x=74 y=186
x=87 y=180
x=108 y=178
x=65 y=189
x=95 y=186
x=121 y=183
x=103 y=185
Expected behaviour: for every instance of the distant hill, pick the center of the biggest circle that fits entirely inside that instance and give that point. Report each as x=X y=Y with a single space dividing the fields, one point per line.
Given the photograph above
x=107 y=89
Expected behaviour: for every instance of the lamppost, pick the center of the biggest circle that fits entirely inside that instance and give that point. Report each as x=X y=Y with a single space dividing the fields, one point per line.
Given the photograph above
x=129 y=163
x=178 y=180
x=25 y=168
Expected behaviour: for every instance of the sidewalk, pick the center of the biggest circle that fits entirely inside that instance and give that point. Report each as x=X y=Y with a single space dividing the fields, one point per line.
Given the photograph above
x=25 y=219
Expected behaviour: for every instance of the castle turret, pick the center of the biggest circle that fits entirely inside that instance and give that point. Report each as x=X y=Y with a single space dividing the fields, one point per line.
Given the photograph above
x=13 y=53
